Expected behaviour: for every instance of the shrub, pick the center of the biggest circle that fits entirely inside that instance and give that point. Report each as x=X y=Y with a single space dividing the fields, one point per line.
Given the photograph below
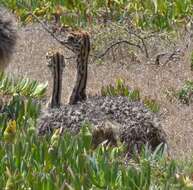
x=151 y=104
x=120 y=89
x=185 y=95
x=21 y=86
x=70 y=162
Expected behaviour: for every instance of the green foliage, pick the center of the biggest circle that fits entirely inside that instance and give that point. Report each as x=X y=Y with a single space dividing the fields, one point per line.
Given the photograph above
x=23 y=106
x=185 y=95
x=22 y=87
x=155 y=14
x=22 y=110
x=69 y=162
x=151 y=104
x=73 y=164
x=120 y=89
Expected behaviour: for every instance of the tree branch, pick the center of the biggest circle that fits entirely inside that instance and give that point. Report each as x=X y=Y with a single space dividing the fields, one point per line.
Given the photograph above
x=141 y=39
x=170 y=56
x=45 y=27
x=116 y=43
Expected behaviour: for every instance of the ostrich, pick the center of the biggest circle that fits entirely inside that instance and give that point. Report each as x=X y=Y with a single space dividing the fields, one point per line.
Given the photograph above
x=55 y=62
x=133 y=123
x=8 y=38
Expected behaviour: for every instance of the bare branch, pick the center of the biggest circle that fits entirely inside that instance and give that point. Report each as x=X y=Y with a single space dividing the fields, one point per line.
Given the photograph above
x=116 y=43
x=157 y=60
x=141 y=39
x=152 y=35
x=170 y=56
x=45 y=27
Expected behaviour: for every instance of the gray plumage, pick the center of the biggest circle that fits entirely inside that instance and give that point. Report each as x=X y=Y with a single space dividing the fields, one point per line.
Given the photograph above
x=137 y=125
x=8 y=38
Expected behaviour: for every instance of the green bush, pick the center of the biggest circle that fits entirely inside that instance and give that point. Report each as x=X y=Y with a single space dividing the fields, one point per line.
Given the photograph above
x=185 y=95
x=151 y=104
x=152 y=14
x=120 y=89
x=70 y=162
x=21 y=86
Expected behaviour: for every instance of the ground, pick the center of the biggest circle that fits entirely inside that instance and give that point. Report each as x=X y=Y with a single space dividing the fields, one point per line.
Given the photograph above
x=177 y=119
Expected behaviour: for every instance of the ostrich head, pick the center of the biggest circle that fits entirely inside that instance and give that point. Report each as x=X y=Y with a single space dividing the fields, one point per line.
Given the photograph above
x=77 y=41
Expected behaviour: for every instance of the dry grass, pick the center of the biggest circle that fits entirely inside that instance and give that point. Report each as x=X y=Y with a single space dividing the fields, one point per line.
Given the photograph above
x=29 y=60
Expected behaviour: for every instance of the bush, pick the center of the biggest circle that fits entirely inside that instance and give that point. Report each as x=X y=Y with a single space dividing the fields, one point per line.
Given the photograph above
x=70 y=162
x=151 y=104
x=120 y=89
x=157 y=15
x=185 y=95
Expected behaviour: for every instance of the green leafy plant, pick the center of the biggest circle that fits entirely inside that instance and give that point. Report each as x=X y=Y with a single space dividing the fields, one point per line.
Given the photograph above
x=74 y=164
x=151 y=104
x=69 y=161
x=186 y=93
x=21 y=86
x=156 y=14
x=23 y=105
x=120 y=89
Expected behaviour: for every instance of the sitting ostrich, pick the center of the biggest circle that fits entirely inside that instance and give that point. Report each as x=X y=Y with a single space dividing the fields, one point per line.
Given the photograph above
x=7 y=42
x=7 y=39
x=112 y=117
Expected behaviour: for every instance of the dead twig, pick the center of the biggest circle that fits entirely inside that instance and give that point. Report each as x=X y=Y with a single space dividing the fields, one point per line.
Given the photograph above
x=116 y=43
x=174 y=54
x=157 y=59
x=45 y=27
x=142 y=41
x=170 y=56
x=131 y=32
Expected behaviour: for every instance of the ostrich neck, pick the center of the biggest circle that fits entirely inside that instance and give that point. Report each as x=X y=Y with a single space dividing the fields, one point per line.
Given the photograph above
x=79 y=90
x=57 y=81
